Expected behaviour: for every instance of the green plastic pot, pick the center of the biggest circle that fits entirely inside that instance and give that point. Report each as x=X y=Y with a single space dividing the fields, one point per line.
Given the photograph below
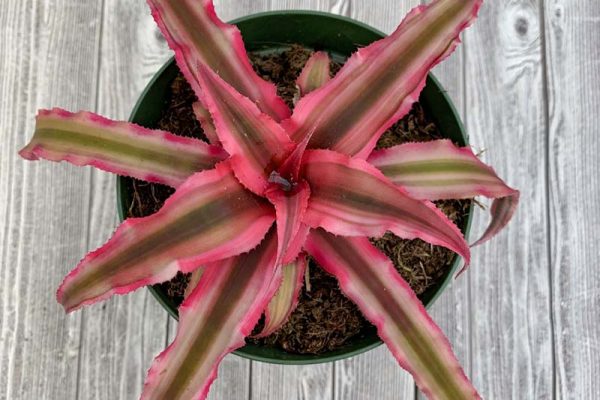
x=340 y=36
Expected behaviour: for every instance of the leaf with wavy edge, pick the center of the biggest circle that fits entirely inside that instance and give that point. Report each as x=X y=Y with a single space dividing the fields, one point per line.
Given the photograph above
x=198 y=37
x=285 y=300
x=350 y=197
x=205 y=120
x=314 y=74
x=214 y=320
x=441 y=170
x=370 y=280
x=501 y=211
x=257 y=144
x=210 y=217
x=123 y=148
x=379 y=83
x=290 y=207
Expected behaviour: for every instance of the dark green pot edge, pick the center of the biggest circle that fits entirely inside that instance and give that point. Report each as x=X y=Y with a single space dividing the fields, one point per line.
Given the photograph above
x=349 y=33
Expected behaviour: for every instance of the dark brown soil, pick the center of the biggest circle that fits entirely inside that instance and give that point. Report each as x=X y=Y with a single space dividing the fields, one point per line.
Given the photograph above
x=325 y=319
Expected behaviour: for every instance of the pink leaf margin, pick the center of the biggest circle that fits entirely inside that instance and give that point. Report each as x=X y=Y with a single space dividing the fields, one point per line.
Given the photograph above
x=290 y=208
x=285 y=299
x=370 y=280
x=441 y=170
x=253 y=219
x=232 y=293
x=228 y=49
x=256 y=143
x=336 y=99
x=350 y=197
x=186 y=155
x=316 y=73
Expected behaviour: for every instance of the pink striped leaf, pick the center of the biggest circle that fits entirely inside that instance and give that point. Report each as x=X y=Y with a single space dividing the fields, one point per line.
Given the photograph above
x=441 y=170
x=205 y=120
x=350 y=197
x=210 y=217
x=193 y=282
x=314 y=74
x=123 y=148
x=290 y=168
x=379 y=83
x=285 y=300
x=290 y=208
x=370 y=280
x=213 y=321
x=502 y=211
x=257 y=144
x=199 y=37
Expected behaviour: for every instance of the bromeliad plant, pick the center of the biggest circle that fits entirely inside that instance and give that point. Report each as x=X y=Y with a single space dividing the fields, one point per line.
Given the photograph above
x=273 y=187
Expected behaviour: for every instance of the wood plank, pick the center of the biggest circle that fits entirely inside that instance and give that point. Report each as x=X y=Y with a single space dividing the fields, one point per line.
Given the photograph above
x=372 y=375
x=268 y=381
x=511 y=328
x=121 y=336
x=307 y=382
x=452 y=310
x=573 y=58
x=512 y=346
x=376 y=374
x=234 y=374
x=49 y=58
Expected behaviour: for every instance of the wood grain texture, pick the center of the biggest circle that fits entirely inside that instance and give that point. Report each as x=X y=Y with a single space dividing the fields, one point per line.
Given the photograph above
x=233 y=380
x=526 y=82
x=269 y=381
x=372 y=375
x=45 y=207
x=306 y=382
x=375 y=375
x=121 y=336
x=573 y=58
x=511 y=333
x=452 y=310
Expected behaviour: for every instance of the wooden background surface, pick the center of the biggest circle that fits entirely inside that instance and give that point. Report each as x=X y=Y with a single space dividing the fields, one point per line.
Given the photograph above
x=524 y=321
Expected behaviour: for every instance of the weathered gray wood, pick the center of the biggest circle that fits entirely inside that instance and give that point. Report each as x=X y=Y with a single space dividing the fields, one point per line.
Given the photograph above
x=121 y=336
x=307 y=382
x=268 y=381
x=375 y=375
x=511 y=332
x=573 y=58
x=452 y=310
x=372 y=375
x=234 y=374
x=49 y=58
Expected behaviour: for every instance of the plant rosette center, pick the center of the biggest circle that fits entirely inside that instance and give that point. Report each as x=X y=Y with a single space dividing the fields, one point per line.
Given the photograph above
x=279 y=183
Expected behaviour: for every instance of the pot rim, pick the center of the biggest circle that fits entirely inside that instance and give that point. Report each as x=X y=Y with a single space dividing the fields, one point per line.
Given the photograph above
x=371 y=341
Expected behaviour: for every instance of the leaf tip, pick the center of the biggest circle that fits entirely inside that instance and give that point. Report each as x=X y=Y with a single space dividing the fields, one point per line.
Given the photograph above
x=62 y=299
x=28 y=153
